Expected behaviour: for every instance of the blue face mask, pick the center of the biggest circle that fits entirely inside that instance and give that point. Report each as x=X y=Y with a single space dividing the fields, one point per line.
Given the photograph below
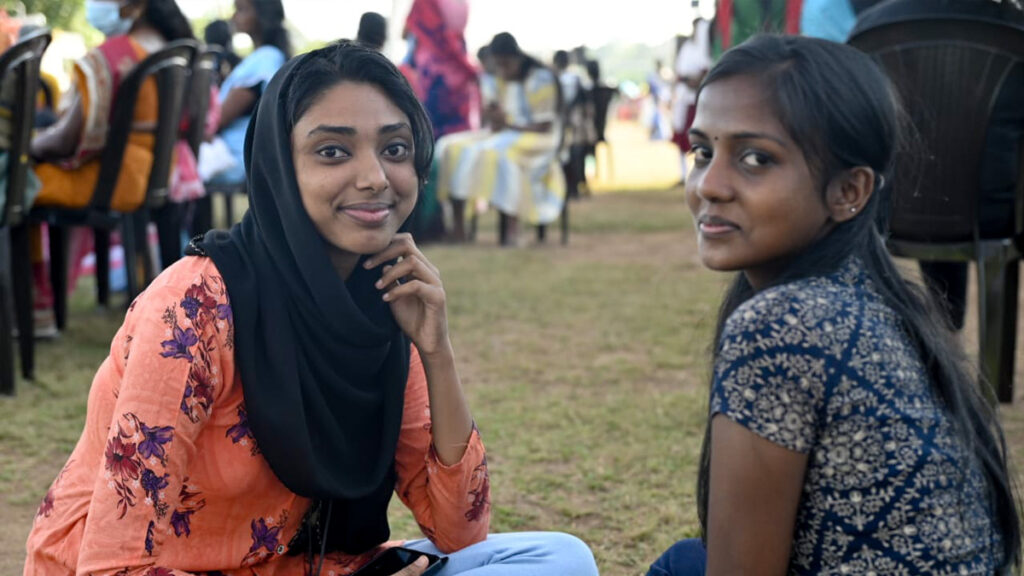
x=106 y=17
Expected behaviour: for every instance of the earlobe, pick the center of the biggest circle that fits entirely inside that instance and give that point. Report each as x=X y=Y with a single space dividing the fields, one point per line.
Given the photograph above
x=849 y=192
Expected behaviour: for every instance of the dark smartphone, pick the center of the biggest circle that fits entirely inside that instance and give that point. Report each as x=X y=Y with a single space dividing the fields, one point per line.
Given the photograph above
x=394 y=559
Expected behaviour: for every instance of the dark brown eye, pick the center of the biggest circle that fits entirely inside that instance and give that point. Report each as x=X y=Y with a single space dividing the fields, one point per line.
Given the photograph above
x=755 y=159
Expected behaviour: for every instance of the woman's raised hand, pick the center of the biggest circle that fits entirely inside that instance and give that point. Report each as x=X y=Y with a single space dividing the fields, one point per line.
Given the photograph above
x=412 y=286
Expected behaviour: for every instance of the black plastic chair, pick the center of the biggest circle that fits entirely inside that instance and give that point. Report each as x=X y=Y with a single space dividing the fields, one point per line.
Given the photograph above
x=19 y=64
x=197 y=102
x=949 y=71
x=170 y=68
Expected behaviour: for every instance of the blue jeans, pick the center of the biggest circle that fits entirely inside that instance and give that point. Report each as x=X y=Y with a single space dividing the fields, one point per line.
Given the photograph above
x=684 y=558
x=517 y=554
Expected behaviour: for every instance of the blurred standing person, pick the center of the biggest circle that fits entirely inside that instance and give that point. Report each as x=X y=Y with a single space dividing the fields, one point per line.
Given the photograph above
x=373 y=34
x=447 y=79
x=737 y=20
x=602 y=96
x=579 y=119
x=373 y=31
x=658 y=92
x=446 y=83
x=692 y=63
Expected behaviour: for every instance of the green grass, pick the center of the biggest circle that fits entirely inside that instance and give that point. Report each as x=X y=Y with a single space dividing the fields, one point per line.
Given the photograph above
x=585 y=367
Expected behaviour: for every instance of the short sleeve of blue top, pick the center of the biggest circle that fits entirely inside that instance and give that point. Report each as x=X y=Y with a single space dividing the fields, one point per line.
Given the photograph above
x=255 y=70
x=823 y=367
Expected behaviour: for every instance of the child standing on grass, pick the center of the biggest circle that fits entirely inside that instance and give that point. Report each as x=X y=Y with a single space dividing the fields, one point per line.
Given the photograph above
x=847 y=433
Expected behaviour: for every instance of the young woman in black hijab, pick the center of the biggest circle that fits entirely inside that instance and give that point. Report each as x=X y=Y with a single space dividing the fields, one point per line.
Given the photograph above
x=267 y=394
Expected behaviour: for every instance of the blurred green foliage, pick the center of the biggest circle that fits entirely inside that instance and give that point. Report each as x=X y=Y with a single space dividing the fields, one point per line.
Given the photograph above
x=59 y=13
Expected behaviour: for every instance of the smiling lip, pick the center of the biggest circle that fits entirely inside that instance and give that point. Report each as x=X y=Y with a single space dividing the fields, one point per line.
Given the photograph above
x=368 y=212
x=714 y=226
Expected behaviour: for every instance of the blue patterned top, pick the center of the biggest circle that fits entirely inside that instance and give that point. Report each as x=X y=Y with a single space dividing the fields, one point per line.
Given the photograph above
x=822 y=366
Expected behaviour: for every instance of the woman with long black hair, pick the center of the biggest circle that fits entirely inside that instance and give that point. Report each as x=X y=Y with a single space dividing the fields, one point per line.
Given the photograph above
x=847 y=432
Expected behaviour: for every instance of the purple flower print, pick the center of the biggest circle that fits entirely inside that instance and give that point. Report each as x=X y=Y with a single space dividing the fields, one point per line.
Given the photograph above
x=224 y=312
x=181 y=522
x=264 y=536
x=153 y=484
x=191 y=306
x=46 y=507
x=155 y=438
x=178 y=346
x=240 y=430
x=149 y=537
x=196 y=298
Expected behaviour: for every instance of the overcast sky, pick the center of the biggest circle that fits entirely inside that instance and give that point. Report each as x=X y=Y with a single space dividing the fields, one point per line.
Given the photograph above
x=539 y=25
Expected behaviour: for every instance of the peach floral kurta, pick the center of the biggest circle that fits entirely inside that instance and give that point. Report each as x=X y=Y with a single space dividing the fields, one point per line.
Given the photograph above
x=168 y=480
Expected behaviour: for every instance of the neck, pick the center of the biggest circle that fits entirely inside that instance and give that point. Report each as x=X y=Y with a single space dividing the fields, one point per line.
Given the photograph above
x=257 y=39
x=344 y=262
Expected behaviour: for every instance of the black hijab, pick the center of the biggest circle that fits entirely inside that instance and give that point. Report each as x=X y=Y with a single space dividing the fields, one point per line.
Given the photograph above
x=323 y=363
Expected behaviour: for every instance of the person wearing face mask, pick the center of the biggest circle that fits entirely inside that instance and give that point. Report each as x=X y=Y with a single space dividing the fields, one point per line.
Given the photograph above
x=68 y=152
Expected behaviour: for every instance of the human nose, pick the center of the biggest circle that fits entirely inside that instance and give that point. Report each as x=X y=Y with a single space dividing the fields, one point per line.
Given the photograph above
x=711 y=182
x=371 y=176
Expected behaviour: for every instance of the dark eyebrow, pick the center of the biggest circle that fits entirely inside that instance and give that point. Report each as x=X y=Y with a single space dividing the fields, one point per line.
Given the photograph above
x=350 y=131
x=743 y=136
x=345 y=130
x=389 y=128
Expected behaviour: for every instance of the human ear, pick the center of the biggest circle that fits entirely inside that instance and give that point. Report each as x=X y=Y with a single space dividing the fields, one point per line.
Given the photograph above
x=849 y=191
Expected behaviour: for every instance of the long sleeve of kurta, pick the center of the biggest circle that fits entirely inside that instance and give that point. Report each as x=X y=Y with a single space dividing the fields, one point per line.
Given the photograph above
x=451 y=503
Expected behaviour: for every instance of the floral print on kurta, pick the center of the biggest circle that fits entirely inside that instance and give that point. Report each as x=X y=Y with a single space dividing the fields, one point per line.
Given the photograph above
x=167 y=478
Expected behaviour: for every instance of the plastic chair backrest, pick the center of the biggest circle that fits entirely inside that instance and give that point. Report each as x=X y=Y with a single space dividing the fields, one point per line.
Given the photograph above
x=948 y=72
x=20 y=64
x=204 y=70
x=170 y=66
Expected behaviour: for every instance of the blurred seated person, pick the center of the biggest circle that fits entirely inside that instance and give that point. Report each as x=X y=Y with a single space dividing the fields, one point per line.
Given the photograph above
x=1000 y=165
x=68 y=152
x=263 y=21
x=218 y=33
x=515 y=166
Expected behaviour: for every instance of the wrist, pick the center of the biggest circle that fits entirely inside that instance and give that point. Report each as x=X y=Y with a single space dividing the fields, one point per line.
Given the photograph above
x=439 y=356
